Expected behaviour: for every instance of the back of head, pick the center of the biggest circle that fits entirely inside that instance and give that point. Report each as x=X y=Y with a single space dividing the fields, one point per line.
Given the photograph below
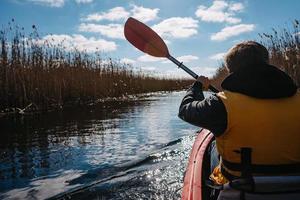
x=246 y=54
x=252 y=75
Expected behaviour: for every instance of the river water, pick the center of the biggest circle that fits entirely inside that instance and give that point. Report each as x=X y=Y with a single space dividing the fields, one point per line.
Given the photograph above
x=126 y=150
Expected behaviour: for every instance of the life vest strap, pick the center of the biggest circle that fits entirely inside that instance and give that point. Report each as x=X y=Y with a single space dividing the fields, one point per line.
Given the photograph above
x=264 y=169
x=228 y=175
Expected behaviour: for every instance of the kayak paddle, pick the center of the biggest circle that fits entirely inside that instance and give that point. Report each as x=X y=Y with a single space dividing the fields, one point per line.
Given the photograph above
x=148 y=41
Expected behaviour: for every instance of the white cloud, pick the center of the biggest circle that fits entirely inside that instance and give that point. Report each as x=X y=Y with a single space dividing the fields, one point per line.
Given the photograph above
x=231 y=31
x=120 y=13
x=51 y=3
x=204 y=71
x=236 y=7
x=114 y=14
x=177 y=27
x=148 y=68
x=179 y=73
x=127 y=61
x=147 y=58
x=218 y=56
x=79 y=42
x=109 y=30
x=187 y=58
x=57 y=3
x=84 y=1
x=184 y=59
x=144 y=14
x=220 y=11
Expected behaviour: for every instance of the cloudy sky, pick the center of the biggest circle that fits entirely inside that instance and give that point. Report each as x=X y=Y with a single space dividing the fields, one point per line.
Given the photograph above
x=197 y=32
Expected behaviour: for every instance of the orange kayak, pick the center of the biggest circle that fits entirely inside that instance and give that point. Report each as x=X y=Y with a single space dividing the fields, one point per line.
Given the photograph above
x=193 y=187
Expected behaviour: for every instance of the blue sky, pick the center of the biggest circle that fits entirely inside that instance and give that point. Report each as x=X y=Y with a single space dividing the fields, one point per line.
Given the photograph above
x=197 y=32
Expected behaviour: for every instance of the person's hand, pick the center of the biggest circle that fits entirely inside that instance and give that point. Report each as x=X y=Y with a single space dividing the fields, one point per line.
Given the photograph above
x=205 y=82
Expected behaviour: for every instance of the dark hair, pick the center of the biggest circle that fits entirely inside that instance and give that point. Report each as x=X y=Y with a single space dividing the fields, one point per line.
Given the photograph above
x=246 y=54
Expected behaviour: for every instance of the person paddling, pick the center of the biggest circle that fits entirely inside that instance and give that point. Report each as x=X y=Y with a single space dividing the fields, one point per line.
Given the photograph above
x=259 y=109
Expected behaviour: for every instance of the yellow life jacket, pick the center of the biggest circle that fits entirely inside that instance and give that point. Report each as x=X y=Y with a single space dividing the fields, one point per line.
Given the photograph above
x=270 y=127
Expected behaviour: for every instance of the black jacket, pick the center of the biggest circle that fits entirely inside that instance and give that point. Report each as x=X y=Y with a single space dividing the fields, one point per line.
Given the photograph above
x=264 y=82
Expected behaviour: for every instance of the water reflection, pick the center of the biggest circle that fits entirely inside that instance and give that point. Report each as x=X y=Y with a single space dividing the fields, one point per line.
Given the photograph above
x=44 y=155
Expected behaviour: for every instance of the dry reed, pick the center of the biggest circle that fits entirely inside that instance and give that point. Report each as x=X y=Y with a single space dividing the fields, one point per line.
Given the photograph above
x=284 y=50
x=50 y=76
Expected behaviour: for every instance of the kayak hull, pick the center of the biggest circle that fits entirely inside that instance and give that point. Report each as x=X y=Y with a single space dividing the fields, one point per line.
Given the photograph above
x=198 y=170
x=193 y=187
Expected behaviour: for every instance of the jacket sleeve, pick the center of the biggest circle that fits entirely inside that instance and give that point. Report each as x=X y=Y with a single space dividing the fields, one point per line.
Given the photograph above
x=208 y=113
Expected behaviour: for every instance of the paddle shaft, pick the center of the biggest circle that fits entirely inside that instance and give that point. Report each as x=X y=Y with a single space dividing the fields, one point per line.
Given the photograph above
x=190 y=72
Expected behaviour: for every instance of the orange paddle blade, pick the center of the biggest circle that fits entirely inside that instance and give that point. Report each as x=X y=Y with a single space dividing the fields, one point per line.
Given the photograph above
x=144 y=38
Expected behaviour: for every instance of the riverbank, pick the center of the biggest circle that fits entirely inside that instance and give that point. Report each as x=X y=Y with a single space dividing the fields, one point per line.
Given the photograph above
x=36 y=74
x=32 y=109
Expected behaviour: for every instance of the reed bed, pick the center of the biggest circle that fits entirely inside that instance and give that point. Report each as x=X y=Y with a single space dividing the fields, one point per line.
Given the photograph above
x=219 y=76
x=284 y=49
x=47 y=76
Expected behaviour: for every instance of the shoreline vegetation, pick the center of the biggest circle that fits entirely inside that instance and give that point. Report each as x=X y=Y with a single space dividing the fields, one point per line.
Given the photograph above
x=284 y=51
x=36 y=75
